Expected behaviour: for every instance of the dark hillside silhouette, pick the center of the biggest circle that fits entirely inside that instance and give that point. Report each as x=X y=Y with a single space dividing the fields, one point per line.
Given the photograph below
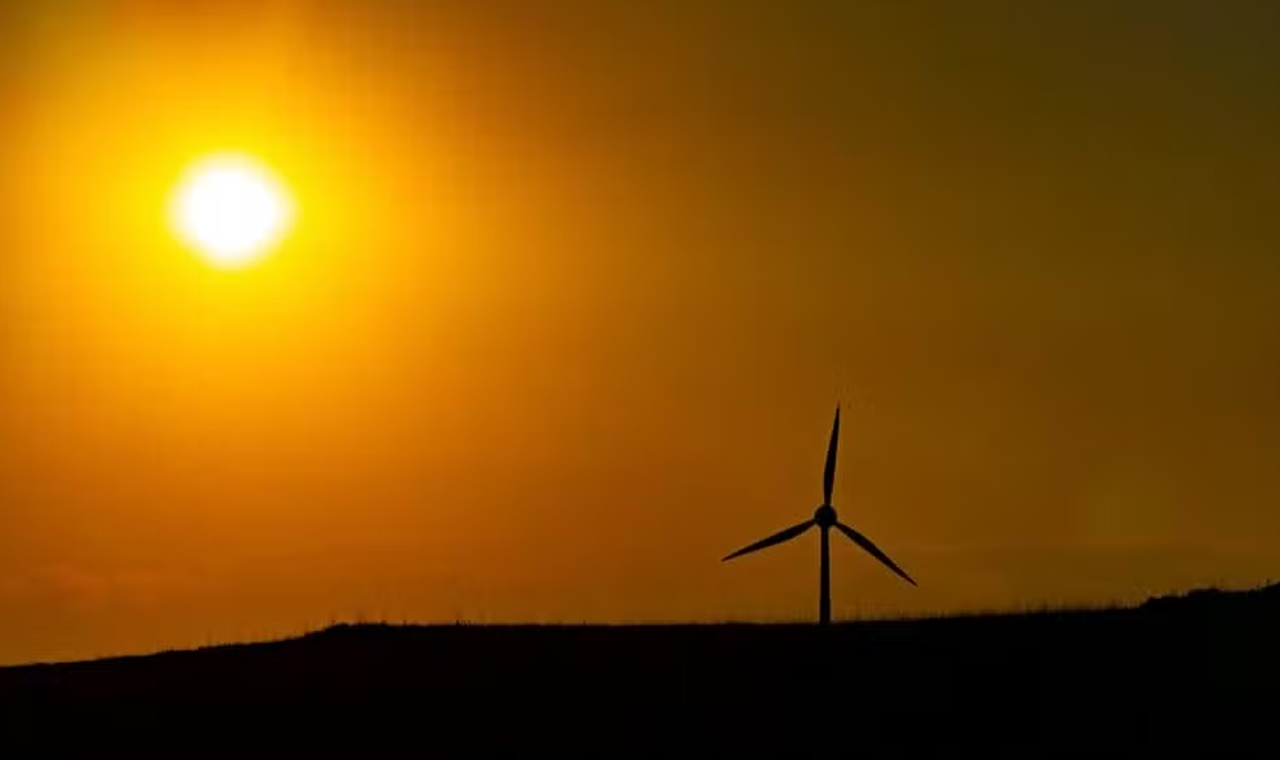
x=1201 y=668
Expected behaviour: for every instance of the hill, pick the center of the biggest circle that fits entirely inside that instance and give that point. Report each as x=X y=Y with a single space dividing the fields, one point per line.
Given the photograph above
x=1199 y=668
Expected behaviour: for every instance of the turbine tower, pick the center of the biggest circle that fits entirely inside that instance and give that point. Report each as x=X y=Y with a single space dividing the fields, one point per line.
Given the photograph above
x=825 y=518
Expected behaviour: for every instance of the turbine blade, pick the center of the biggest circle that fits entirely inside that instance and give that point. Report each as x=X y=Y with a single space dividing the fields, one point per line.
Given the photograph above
x=874 y=551
x=776 y=538
x=829 y=474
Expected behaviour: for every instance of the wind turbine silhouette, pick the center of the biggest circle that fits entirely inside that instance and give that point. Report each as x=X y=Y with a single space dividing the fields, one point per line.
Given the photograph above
x=825 y=518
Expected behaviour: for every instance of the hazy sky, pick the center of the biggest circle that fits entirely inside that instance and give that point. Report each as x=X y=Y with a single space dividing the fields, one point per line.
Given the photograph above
x=575 y=288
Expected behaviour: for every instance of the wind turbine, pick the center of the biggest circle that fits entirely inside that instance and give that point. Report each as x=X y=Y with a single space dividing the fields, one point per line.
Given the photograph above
x=825 y=518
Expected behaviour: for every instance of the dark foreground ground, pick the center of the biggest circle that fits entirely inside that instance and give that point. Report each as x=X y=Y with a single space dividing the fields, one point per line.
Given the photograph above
x=1198 y=670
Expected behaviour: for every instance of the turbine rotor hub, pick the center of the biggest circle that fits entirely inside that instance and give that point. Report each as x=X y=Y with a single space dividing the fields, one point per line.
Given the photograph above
x=825 y=516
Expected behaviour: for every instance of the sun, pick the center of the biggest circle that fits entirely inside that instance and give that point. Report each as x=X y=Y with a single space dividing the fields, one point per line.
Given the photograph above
x=231 y=209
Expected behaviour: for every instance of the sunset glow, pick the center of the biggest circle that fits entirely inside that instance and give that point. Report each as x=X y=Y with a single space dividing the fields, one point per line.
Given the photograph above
x=323 y=310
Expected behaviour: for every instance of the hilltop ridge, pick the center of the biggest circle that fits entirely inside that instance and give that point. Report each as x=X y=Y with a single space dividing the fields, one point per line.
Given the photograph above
x=1200 y=666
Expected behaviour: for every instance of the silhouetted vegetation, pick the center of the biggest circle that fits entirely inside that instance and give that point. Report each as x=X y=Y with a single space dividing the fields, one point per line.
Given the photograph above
x=1192 y=669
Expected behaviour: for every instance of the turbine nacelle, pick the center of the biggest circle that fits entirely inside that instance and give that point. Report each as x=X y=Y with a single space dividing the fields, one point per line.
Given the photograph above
x=825 y=516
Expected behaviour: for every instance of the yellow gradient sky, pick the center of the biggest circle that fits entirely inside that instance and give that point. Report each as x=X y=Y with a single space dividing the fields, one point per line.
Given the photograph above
x=573 y=288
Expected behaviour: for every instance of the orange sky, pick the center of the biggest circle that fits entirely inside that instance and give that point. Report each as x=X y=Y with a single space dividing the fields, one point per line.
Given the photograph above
x=575 y=287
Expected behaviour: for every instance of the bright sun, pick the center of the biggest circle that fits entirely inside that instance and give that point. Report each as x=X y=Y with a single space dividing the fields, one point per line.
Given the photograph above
x=231 y=209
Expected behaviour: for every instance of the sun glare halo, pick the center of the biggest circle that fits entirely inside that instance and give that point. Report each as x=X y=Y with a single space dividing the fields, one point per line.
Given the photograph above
x=231 y=209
